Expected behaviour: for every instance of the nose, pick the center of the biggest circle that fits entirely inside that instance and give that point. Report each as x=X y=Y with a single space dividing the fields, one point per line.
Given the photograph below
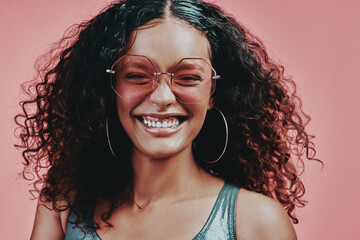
x=163 y=96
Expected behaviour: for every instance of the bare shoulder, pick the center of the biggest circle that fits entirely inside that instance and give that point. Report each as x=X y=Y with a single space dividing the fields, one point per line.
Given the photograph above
x=260 y=217
x=48 y=224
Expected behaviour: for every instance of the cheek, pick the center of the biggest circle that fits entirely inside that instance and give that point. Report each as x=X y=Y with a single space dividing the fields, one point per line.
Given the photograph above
x=120 y=109
x=200 y=118
x=124 y=112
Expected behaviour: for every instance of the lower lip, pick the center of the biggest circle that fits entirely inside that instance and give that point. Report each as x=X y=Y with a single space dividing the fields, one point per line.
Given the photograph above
x=160 y=132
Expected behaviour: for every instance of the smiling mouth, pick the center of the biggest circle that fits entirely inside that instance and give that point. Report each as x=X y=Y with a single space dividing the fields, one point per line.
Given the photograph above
x=156 y=122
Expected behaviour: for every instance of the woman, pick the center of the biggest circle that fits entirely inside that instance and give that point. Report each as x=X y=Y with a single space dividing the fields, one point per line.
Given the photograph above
x=164 y=120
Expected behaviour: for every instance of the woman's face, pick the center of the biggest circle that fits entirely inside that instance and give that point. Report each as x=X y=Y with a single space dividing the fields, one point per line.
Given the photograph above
x=165 y=42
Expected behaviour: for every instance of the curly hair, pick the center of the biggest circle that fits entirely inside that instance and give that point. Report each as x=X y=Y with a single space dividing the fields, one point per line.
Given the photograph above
x=62 y=127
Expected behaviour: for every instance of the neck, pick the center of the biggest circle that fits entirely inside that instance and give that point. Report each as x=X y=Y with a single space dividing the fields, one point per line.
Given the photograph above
x=164 y=179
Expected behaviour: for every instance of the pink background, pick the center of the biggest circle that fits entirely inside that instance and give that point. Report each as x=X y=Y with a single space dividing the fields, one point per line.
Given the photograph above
x=319 y=43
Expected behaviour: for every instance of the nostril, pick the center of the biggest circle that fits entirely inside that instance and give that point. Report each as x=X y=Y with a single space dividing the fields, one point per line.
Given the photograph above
x=163 y=94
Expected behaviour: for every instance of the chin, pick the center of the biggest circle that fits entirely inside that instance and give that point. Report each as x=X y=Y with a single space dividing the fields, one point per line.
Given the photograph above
x=161 y=151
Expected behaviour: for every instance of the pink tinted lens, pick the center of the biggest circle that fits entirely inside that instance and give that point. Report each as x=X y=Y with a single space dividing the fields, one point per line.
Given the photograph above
x=192 y=80
x=134 y=77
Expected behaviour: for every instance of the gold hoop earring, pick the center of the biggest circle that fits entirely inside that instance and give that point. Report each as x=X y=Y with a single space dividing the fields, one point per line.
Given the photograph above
x=108 y=137
x=226 y=139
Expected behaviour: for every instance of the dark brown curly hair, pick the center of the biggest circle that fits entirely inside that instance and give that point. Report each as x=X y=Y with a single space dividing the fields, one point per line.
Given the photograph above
x=62 y=127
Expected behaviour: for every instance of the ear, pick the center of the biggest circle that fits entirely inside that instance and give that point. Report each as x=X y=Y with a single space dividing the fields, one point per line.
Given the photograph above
x=211 y=103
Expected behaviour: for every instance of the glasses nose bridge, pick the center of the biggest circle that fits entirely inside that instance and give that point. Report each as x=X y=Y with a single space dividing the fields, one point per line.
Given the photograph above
x=168 y=79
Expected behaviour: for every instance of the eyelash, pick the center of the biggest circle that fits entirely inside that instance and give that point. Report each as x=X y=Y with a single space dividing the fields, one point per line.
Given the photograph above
x=134 y=75
x=190 y=77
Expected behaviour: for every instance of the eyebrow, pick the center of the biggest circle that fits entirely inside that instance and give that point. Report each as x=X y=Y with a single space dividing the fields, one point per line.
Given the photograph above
x=185 y=65
x=138 y=64
x=148 y=63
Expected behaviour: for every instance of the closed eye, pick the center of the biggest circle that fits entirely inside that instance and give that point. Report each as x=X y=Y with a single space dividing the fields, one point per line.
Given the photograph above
x=188 y=80
x=132 y=76
x=138 y=78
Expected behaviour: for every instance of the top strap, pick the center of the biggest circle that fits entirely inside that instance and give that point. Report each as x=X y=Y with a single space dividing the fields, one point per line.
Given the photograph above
x=221 y=222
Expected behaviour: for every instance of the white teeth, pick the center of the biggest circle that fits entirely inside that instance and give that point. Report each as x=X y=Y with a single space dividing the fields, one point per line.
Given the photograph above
x=164 y=124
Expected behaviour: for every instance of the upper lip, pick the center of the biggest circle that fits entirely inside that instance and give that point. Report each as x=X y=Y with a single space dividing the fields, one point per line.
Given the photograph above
x=157 y=115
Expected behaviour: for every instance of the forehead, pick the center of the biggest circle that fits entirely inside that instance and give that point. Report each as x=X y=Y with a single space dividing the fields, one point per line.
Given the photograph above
x=166 y=41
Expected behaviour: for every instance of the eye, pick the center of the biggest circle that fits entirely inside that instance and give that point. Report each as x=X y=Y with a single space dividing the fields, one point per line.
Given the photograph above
x=137 y=78
x=188 y=80
x=134 y=76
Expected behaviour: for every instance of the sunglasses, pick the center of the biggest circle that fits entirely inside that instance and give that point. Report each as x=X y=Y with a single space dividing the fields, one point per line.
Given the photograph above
x=134 y=77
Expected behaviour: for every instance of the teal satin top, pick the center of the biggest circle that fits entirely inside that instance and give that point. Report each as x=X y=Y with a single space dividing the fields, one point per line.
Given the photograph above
x=219 y=225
